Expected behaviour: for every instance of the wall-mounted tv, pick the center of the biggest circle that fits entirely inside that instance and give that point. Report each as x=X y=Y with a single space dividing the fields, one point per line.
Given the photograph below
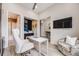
x=63 y=23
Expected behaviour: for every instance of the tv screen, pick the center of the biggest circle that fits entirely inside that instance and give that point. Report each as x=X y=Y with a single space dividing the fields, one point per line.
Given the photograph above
x=63 y=23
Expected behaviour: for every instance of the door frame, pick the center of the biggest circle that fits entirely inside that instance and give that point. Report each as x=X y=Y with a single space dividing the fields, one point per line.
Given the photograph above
x=50 y=26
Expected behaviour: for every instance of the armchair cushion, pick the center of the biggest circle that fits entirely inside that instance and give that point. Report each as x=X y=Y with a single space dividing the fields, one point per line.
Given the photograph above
x=65 y=46
x=26 y=46
x=21 y=45
x=71 y=40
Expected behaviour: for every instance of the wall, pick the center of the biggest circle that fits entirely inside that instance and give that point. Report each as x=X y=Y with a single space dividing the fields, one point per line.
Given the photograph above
x=0 y=19
x=16 y=9
x=59 y=11
x=4 y=29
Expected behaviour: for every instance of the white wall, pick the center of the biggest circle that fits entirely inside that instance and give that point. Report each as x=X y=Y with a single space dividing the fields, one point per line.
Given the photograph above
x=14 y=8
x=4 y=27
x=59 y=11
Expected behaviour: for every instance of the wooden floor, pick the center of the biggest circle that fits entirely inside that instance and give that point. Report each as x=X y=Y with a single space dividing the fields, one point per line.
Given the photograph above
x=52 y=51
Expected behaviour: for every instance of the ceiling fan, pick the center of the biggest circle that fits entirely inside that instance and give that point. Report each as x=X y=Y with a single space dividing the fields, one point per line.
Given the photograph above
x=34 y=6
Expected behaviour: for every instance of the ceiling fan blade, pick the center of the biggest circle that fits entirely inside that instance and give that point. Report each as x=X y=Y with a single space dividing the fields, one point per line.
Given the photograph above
x=34 y=5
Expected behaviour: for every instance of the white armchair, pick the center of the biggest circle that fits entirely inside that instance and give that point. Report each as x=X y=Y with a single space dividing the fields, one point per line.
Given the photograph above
x=21 y=45
x=68 y=49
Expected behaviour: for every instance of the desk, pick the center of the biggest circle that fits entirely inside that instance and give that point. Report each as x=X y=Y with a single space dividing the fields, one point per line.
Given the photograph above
x=40 y=40
x=28 y=34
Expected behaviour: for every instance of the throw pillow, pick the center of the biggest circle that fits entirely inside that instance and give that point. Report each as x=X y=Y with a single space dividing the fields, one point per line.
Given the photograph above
x=71 y=40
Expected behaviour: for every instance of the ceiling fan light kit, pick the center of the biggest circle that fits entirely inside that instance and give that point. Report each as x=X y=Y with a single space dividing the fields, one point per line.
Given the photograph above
x=34 y=6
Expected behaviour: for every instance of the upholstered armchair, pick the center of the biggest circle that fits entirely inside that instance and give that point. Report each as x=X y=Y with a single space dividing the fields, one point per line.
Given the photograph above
x=68 y=49
x=21 y=45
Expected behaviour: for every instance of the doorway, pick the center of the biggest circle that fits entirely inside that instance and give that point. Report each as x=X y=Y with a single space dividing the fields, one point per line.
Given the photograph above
x=45 y=28
x=13 y=23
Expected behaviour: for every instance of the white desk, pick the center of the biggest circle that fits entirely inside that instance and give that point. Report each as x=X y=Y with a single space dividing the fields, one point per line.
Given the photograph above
x=40 y=40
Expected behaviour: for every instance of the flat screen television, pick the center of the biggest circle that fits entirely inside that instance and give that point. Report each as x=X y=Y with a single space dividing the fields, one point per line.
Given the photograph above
x=63 y=23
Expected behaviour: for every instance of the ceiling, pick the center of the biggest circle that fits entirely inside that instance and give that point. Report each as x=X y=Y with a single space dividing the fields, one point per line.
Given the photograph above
x=40 y=6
